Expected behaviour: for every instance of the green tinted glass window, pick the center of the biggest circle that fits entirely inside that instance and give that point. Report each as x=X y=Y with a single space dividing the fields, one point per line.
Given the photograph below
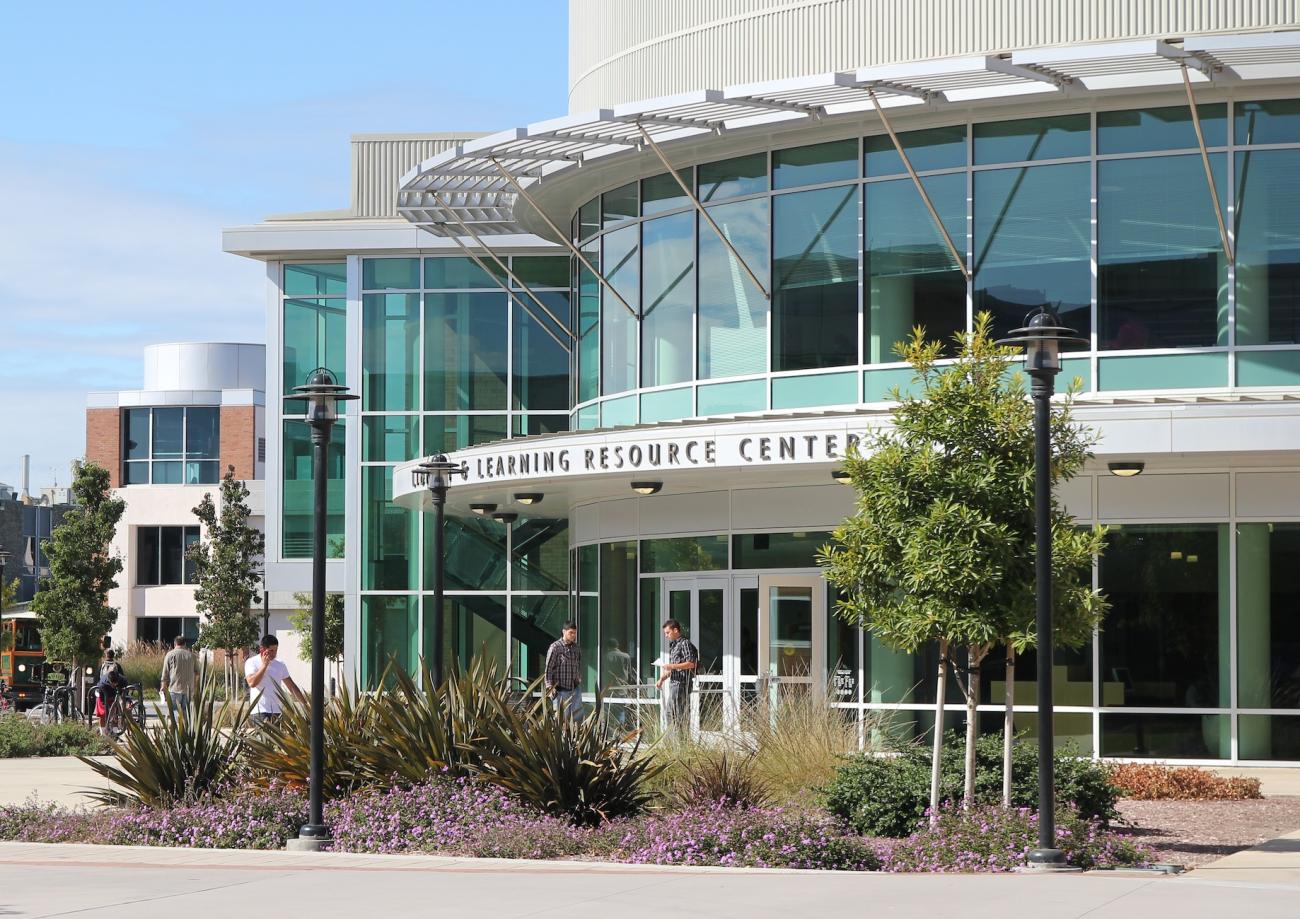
x=389 y=535
x=622 y=266
x=534 y=623
x=589 y=218
x=741 y=175
x=685 y=553
x=932 y=148
x=541 y=270
x=619 y=204
x=457 y=273
x=1032 y=229
x=1161 y=273
x=390 y=274
x=1032 y=139
x=1268 y=247
x=136 y=443
x=389 y=637
x=465 y=346
x=588 y=569
x=662 y=193
x=202 y=432
x=390 y=438
x=168 y=433
x=315 y=335
x=541 y=371
x=618 y=599
x=815 y=251
x=587 y=328
x=1276 y=121
x=298 y=498
x=733 y=313
x=527 y=425
x=668 y=301
x=1171 y=128
x=815 y=164
x=390 y=352
x=540 y=547
x=447 y=433
x=777 y=550
x=318 y=280
x=475 y=552
x=1267 y=557
x=911 y=278
x=471 y=626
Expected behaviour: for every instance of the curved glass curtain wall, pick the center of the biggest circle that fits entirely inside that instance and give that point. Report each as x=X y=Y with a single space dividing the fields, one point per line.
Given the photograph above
x=840 y=236
x=1158 y=682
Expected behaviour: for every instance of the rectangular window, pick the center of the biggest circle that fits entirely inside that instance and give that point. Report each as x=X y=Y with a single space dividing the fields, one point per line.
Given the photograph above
x=662 y=193
x=540 y=550
x=136 y=442
x=389 y=637
x=777 y=550
x=529 y=425
x=618 y=596
x=390 y=351
x=446 y=433
x=315 y=335
x=911 y=278
x=1171 y=128
x=161 y=555
x=542 y=270
x=475 y=550
x=587 y=326
x=321 y=280
x=298 y=497
x=1032 y=244
x=456 y=272
x=465 y=365
x=685 y=553
x=202 y=433
x=1275 y=121
x=541 y=365
x=1032 y=139
x=733 y=313
x=172 y=446
x=931 y=148
x=147 y=556
x=622 y=266
x=534 y=623
x=168 y=433
x=815 y=164
x=1268 y=247
x=815 y=252
x=390 y=274
x=668 y=301
x=388 y=535
x=619 y=205
x=1161 y=274
x=1268 y=629
x=391 y=438
x=742 y=175
x=472 y=625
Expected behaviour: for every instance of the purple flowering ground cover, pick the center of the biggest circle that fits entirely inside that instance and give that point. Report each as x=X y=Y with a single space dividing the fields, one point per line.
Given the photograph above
x=461 y=817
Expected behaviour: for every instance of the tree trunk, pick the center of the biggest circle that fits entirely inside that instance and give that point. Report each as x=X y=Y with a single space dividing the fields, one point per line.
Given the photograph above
x=974 y=657
x=1008 y=726
x=937 y=755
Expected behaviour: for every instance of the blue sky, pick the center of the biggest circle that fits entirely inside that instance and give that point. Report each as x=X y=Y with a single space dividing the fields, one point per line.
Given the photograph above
x=130 y=134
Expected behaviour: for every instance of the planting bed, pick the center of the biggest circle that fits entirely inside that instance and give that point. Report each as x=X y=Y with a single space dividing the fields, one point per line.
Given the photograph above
x=1195 y=833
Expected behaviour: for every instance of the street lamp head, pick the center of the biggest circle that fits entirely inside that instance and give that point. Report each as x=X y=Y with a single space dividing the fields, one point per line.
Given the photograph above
x=322 y=393
x=1042 y=336
x=435 y=473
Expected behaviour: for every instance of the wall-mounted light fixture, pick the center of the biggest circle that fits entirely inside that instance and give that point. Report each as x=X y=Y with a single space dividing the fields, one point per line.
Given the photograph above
x=528 y=497
x=505 y=517
x=1126 y=470
x=840 y=476
x=647 y=488
x=482 y=509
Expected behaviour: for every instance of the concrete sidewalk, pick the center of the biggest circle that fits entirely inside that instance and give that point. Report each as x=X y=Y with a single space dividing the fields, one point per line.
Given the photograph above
x=93 y=881
x=50 y=779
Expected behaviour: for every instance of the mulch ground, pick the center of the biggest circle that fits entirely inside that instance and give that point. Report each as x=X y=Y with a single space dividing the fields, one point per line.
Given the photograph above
x=1196 y=832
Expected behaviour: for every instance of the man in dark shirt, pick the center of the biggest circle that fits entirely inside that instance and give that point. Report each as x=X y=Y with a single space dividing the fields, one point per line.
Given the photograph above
x=564 y=671
x=678 y=672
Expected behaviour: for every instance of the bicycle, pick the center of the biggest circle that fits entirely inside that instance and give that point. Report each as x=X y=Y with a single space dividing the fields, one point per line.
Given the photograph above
x=128 y=705
x=58 y=703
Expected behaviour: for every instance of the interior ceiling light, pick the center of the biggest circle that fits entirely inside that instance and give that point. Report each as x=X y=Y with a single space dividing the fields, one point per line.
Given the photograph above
x=528 y=497
x=647 y=488
x=482 y=509
x=505 y=517
x=840 y=476
x=1126 y=470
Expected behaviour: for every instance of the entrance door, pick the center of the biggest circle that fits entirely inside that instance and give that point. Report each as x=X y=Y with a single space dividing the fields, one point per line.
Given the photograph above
x=791 y=634
x=700 y=605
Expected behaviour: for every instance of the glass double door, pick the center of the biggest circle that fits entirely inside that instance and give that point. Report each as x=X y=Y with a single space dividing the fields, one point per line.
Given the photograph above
x=760 y=638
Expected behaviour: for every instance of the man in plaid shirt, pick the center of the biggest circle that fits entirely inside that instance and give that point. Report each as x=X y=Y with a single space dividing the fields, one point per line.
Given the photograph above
x=564 y=671
x=679 y=672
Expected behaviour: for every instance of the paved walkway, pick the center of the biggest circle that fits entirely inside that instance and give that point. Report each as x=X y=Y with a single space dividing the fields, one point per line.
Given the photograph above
x=56 y=779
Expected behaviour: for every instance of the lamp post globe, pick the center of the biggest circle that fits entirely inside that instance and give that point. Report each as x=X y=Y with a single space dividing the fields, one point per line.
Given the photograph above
x=1042 y=337
x=435 y=474
x=322 y=392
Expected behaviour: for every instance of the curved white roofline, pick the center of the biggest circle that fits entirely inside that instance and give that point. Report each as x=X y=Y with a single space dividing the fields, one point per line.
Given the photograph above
x=472 y=189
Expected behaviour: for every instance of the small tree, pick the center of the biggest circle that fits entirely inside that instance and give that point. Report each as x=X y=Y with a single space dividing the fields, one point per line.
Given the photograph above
x=301 y=621
x=228 y=570
x=72 y=603
x=9 y=593
x=941 y=544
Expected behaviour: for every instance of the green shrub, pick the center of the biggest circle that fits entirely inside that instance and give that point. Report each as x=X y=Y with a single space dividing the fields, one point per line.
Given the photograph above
x=20 y=737
x=888 y=796
x=720 y=779
x=186 y=755
x=577 y=769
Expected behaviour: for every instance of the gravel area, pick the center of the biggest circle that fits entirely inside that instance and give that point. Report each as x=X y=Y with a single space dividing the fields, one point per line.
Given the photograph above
x=1197 y=832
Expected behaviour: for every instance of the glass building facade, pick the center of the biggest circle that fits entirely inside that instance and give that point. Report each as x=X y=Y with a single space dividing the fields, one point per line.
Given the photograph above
x=1104 y=216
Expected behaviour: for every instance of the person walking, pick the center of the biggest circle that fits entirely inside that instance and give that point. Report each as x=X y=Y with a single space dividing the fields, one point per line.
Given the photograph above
x=265 y=675
x=178 y=674
x=678 y=673
x=564 y=671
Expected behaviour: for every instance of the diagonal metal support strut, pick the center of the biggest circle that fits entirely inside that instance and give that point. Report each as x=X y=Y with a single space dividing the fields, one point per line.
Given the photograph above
x=562 y=236
x=703 y=211
x=1209 y=172
x=513 y=294
x=916 y=180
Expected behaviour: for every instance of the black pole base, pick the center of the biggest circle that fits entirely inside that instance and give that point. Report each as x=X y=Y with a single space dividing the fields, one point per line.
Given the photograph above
x=311 y=838
x=1047 y=860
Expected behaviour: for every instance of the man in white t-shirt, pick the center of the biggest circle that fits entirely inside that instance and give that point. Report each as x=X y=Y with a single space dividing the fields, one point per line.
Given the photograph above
x=265 y=676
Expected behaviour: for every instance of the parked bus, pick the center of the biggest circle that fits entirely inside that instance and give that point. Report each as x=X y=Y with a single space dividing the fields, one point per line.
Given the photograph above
x=22 y=659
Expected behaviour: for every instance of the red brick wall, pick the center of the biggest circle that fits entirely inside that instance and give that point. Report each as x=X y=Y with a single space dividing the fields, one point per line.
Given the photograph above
x=104 y=441
x=239 y=440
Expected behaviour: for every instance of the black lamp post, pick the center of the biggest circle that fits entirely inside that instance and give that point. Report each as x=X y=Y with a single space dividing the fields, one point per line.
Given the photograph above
x=435 y=474
x=1042 y=337
x=323 y=393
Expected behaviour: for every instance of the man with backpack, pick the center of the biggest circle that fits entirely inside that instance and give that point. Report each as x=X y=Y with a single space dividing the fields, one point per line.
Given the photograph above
x=112 y=679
